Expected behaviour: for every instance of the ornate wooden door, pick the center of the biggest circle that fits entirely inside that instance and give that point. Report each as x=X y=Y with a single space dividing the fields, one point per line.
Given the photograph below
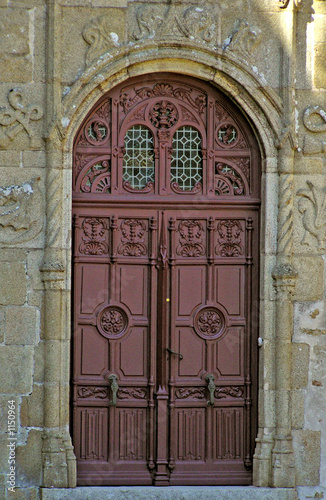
x=166 y=224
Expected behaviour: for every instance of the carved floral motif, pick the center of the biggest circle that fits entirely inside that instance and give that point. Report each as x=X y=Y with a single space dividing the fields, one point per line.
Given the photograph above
x=209 y=322
x=191 y=239
x=92 y=392
x=18 y=117
x=132 y=240
x=92 y=174
x=94 y=237
x=312 y=206
x=113 y=321
x=21 y=212
x=229 y=238
x=228 y=181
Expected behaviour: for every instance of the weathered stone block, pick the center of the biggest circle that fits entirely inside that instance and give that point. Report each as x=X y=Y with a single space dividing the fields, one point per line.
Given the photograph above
x=39 y=363
x=31 y=411
x=306 y=446
x=310 y=280
x=13 y=283
x=29 y=461
x=32 y=493
x=298 y=400
x=300 y=365
x=16 y=375
x=22 y=325
x=320 y=65
x=2 y=324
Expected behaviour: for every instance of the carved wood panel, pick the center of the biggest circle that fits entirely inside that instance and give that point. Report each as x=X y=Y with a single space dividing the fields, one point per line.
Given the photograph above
x=165 y=287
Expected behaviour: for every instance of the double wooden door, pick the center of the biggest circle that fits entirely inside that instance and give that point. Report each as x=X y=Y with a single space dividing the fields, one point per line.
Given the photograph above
x=165 y=291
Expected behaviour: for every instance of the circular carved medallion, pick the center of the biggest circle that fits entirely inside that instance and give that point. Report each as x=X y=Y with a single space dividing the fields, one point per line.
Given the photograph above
x=209 y=323
x=96 y=132
x=227 y=135
x=112 y=322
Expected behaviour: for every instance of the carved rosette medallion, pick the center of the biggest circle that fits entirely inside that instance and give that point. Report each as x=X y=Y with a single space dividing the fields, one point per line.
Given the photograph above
x=93 y=243
x=163 y=114
x=229 y=238
x=209 y=323
x=112 y=321
x=191 y=239
x=132 y=240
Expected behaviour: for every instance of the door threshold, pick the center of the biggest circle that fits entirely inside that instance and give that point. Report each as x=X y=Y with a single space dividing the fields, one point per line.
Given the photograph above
x=168 y=493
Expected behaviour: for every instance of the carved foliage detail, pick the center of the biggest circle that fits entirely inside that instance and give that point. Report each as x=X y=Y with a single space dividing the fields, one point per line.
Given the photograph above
x=209 y=323
x=229 y=391
x=244 y=39
x=132 y=240
x=312 y=206
x=18 y=117
x=132 y=393
x=21 y=212
x=90 y=176
x=191 y=239
x=92 y=392
x=99 y=37
x=229 y=238
x=94 y=237
x=196 y=100
x=193 y=392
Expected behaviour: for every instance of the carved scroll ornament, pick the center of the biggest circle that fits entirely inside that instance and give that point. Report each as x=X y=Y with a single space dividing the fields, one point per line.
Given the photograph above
x=21 y=212
x=18 y=117
x=312 y=206
x=99 y=37
x=309 y=121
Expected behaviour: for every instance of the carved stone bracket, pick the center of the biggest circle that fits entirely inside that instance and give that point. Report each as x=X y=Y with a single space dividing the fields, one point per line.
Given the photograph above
x=312 y=206
x=18 y=117
x=21 y=212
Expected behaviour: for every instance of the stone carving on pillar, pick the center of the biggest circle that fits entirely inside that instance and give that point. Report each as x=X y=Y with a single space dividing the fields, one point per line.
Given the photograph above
x=99 y=37
x=243 y=40
x=18 y=117
x=21 y=212
x=285 y=3
x=312 y=206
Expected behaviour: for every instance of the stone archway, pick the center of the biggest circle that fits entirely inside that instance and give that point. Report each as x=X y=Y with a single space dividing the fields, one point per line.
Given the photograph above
x=265 y=113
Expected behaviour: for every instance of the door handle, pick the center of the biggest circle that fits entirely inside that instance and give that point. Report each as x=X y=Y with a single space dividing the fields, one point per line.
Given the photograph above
x=113 y=381
x=171 y=351
x=211 y=387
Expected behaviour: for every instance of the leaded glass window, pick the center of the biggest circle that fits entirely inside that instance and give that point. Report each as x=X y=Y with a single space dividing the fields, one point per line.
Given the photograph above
x=186 y=161
x=138 y=158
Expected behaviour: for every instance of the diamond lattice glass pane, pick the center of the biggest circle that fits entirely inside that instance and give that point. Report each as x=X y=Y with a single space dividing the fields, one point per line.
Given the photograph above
x=186 y=161
x=138 y=159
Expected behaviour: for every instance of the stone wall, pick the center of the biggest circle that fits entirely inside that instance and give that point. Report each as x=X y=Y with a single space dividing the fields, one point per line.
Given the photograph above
x=57 y=58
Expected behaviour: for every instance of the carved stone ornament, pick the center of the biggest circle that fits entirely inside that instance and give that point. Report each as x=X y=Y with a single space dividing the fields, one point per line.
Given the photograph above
x=21 y=212
x=229 y=238
x=243 y=40
x=99 y=37
x=285 y=3
x=112 y=321
x=193 y=23
x=314 y=119
x=94 y=241
x=312 y=206
x=209 y=323
x=18 y=117
x=191 y=239
x=132 y=240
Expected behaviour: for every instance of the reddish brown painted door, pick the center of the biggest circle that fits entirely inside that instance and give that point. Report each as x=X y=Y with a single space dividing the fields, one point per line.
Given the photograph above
x=166 y=222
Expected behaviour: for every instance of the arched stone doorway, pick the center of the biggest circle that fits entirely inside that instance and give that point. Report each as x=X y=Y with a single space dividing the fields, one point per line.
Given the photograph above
x=166 y=219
